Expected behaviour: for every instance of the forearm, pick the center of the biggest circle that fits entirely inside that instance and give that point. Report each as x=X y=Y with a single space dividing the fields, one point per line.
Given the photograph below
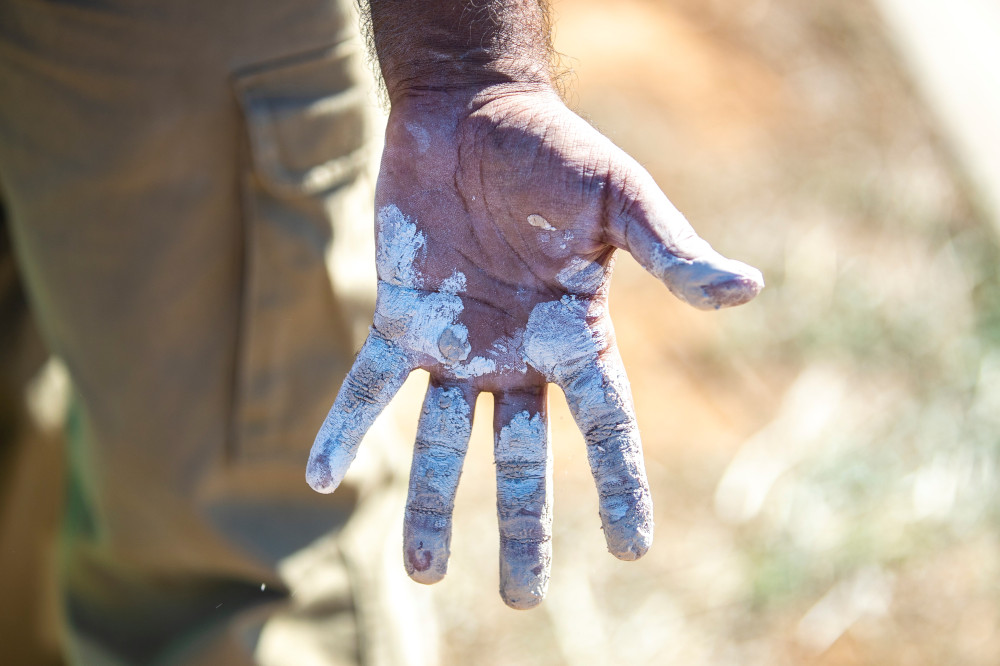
x=444 y=45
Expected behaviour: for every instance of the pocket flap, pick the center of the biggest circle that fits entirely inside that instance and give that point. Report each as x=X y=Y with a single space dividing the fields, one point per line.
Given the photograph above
x=306 y=119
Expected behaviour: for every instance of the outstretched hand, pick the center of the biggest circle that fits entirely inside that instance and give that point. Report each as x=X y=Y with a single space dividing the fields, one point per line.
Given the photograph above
x=498 y=216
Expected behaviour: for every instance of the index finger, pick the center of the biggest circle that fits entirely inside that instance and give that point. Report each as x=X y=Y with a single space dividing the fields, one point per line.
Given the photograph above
x=524 y=495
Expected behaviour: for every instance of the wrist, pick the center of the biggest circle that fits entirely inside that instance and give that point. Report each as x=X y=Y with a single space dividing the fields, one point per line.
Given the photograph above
x=460 y=102
x=460 y=46
x=463 y=76
x=435 y=127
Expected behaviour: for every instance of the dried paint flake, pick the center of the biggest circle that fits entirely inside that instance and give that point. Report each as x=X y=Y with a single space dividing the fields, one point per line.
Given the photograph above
x=455 y=284
x=442 y=439
x=524 y=507
x=581 y=276
x=421 y=322
x=399 y=243
x=540 y=222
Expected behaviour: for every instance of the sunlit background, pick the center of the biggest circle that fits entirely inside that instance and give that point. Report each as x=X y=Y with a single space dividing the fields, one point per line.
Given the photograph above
x=823 y=461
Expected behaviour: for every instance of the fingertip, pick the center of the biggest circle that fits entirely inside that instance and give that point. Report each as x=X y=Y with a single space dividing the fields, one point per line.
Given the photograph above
x=429 y=577
x=524 y=572
x=525 y=594
x=318 y=476
x=627 y=520
x=732 y=292
x=425 y=566
x=521 y=600
x=753 y=274
x=629 y=550
x=325 y=472
x=631 y=541
x=426 y=547
x=714 y=282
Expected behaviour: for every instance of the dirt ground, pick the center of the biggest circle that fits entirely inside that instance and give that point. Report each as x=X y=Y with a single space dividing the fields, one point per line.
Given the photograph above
x=822 y=460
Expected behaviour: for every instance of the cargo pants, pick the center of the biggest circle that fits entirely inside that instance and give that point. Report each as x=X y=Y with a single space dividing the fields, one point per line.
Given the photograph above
x=187 y=187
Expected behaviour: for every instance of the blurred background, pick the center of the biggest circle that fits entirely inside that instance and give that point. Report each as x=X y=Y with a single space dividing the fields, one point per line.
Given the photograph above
x=823 y=460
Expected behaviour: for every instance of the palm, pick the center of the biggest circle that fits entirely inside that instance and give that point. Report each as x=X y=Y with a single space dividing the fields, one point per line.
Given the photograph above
x=496 y=226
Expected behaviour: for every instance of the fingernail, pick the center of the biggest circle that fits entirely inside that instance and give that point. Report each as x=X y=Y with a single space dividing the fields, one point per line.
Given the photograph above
x=736 y=291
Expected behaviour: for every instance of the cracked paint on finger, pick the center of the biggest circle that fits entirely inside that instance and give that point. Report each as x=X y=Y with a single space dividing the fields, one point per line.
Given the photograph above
x=442 y=441
x=524 y=509
x=600 y=401
x=696 y=274
x=377 y=374
x=562 y=346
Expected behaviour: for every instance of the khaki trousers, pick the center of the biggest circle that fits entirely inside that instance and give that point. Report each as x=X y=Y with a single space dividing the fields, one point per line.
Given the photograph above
x=188 y=188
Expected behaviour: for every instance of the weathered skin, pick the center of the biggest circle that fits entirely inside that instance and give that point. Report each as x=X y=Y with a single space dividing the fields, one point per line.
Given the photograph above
x=498 y=215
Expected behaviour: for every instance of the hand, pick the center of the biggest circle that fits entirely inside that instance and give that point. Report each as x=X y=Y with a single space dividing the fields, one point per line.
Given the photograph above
x=498 y=215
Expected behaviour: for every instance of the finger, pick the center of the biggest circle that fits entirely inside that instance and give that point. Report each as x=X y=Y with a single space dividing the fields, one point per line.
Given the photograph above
x=379 y=370
x=601 y=403
x=665 y=244
x=524 y=498
x=442 y=440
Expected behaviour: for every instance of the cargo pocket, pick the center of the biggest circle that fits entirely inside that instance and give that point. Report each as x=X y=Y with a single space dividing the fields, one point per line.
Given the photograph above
x=307 y=190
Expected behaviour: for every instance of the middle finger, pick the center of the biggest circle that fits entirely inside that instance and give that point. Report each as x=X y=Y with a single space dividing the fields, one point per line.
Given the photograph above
x=524 y=496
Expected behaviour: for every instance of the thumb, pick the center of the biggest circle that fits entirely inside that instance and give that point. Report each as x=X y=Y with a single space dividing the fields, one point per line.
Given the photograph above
x=665 y=244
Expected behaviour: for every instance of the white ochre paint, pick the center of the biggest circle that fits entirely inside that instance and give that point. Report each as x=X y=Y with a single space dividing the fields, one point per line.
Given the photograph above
x=399 y=244
x=524 y=509
x=455 y=284
x=442 y=440
x=581 y=276
x=423 y=323
x=507 y=353
x=379 y=370
x=417 y=323
x=560 y=344
x=696 y=273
